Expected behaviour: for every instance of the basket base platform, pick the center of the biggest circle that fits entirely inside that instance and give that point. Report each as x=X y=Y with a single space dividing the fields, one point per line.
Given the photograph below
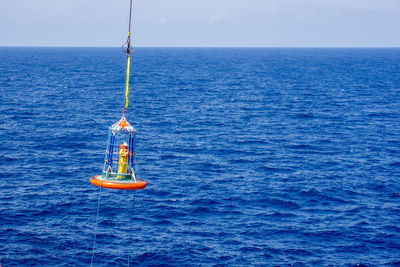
x=97 y=180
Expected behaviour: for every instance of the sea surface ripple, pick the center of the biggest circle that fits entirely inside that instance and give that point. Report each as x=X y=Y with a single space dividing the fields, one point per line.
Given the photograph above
x=252 y=157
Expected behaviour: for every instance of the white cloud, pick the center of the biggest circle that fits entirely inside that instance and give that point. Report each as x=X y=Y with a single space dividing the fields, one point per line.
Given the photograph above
x=361 y=5
x=161 y=21
x=205 y=22
x=217 y=17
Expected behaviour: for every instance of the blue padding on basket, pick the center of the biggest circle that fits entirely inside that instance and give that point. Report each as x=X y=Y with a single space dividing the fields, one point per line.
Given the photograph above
x=111 y=150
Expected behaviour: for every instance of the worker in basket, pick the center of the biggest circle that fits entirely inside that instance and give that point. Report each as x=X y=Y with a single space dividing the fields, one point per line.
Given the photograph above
x=124 y=154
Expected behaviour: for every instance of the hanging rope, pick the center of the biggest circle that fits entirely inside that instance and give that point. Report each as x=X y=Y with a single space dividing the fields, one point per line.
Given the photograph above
x=97 y=221
x=128 y=60
x=130 y=230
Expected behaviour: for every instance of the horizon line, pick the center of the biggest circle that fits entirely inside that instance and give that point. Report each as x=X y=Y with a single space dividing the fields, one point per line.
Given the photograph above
x=86 y=46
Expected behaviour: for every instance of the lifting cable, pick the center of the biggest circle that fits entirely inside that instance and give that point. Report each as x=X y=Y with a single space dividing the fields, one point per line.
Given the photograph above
x=128 y=52
x=126 y=47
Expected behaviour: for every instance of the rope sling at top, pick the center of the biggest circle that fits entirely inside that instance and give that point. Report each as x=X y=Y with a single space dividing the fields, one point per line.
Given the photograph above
x=128 y=60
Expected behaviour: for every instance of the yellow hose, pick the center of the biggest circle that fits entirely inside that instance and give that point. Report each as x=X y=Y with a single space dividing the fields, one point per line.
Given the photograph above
x=128 y=64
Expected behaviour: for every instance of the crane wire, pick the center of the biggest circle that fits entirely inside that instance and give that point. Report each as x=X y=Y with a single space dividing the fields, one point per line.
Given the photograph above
x=128 y=52
x=128 y=60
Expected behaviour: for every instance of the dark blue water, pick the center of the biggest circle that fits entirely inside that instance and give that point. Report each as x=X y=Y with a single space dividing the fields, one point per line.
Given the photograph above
x=252 y=157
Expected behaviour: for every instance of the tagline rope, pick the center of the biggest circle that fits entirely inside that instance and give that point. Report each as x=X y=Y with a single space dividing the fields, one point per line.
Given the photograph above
x=97 y=222
x=131 y=230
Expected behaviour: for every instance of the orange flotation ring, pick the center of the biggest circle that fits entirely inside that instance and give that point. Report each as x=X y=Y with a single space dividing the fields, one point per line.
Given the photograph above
x=124 y=185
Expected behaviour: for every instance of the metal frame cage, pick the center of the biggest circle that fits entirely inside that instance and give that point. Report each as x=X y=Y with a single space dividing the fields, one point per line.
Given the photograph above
x=120 y=133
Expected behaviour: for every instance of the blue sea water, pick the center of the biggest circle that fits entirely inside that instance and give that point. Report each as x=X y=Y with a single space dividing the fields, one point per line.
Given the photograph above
x=252 y=157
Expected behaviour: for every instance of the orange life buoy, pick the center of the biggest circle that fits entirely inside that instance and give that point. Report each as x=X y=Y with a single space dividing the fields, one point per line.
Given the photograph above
x=124 y=185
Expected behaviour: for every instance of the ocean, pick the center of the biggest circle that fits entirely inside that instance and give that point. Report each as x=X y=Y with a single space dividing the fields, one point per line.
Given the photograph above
x=253 y=156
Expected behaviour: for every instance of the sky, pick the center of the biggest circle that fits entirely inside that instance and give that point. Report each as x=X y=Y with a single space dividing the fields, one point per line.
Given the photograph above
x=204 y=23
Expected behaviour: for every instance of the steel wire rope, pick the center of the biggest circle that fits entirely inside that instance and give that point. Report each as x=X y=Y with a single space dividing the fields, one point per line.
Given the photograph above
x=128 y=52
